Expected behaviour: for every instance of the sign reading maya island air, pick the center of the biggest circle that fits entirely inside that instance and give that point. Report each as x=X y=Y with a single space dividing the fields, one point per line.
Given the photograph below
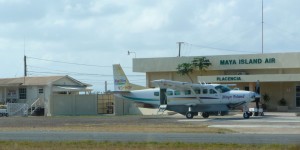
x=247 y=61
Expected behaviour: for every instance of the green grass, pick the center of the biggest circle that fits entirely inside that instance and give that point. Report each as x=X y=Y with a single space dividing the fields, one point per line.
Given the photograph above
x=92 y=145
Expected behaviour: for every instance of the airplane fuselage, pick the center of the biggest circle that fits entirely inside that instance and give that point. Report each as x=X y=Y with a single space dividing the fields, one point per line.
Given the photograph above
x=203 y=96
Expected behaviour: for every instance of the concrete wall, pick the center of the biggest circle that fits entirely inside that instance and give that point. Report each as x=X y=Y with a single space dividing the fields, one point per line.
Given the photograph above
x=168 y=64
x=73 y=105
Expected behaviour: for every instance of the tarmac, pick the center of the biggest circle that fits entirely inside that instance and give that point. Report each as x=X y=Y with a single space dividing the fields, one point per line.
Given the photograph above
x=270 y=123
x=272 y=128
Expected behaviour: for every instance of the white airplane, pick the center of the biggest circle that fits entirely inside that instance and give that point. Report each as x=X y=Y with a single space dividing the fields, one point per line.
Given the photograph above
x=185 y=98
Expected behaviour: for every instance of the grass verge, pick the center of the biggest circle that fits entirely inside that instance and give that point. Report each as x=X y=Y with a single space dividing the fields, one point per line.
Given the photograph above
x=159 y=128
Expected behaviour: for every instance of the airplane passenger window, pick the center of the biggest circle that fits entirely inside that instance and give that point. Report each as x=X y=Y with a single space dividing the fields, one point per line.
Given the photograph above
x=205 y=91
x=169 y=93
x=177 y=92
x=187 y=92
x=197 y=91
x=156 y=93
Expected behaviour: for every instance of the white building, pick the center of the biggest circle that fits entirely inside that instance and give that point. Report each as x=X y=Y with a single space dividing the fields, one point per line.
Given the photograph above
x=39 y=90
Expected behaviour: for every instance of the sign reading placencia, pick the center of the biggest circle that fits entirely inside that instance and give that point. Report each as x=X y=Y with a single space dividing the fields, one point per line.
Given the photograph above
x=247 y=61
x=234 y=78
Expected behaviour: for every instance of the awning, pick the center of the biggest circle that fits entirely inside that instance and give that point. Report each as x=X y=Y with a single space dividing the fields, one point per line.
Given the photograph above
x=70 y=88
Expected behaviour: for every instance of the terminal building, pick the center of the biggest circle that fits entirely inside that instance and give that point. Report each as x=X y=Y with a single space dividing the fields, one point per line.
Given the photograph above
x=278 y=74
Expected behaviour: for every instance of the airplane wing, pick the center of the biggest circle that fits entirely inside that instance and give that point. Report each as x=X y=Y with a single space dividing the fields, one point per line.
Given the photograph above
x=175 y=85
x=120 y=92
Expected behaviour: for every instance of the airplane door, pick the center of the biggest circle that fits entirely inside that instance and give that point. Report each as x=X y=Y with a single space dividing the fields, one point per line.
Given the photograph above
x=215 y=95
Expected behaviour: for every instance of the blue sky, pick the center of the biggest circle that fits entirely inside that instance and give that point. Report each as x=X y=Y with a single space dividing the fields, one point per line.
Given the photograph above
x=100 y=32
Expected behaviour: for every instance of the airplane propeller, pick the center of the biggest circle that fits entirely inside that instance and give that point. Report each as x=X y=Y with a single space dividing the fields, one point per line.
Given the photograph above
x=257 y=97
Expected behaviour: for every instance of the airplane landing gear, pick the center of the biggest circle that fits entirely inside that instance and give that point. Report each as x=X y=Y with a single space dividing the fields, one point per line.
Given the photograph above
x=205 y=114
x=246 y=115
x=189 y=115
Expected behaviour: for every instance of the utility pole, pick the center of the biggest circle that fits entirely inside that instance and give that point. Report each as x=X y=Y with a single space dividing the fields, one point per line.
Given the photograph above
x=179 y=47
x=105 y=86
x=262 y=26
x=25 y=66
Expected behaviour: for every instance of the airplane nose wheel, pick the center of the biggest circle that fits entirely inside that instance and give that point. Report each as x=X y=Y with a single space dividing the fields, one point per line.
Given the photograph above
x=189 y=115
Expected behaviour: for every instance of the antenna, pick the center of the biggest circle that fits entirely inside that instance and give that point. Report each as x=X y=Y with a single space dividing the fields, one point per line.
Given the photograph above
x=25 y=62
x=262 y=26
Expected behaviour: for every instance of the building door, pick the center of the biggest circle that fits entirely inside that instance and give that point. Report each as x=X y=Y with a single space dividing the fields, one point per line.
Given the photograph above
x=297 y=96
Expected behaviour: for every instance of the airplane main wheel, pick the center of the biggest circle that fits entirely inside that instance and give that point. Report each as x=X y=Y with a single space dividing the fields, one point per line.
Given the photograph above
x=250 y=113
x=246 y=115
x=205 y=114
x=189 y=115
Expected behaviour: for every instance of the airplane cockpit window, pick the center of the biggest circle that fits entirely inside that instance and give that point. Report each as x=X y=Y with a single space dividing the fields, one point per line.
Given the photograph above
x=156 y=93
x=211 y=91
x=222 y=89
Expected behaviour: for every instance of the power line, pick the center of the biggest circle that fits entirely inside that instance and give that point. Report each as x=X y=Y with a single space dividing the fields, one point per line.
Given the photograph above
x=215 y=48
x=71 y=63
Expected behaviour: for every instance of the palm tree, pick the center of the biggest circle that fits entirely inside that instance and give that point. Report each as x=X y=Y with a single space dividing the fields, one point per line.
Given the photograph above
x=201 y=63
x=185 y=69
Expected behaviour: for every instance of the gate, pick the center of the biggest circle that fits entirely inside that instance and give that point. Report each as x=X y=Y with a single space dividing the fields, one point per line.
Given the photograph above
x=105 y=103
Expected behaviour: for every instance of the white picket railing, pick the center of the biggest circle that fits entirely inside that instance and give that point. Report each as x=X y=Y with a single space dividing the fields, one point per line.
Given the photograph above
x=36 y=104
x=17 y=109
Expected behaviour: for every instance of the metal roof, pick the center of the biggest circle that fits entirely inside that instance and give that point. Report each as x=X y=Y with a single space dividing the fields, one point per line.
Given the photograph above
x=39 y=81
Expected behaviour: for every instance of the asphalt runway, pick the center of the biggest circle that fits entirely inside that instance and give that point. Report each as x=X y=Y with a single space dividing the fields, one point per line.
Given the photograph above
x=273 y=128
x=153 y=137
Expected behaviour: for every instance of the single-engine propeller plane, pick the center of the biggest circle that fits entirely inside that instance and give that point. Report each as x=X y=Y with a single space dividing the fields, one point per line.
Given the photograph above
x=183 y=97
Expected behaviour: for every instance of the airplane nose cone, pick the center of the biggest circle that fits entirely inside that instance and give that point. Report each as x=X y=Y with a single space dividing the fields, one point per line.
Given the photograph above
x=254 y=95
x=257 y=95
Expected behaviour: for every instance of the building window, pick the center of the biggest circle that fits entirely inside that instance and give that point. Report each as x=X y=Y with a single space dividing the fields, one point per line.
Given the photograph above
x=22 y=93
x=297 y=96
x=41 y=91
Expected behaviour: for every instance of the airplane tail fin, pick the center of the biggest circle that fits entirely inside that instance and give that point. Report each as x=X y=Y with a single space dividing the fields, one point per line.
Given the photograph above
x=121 y=81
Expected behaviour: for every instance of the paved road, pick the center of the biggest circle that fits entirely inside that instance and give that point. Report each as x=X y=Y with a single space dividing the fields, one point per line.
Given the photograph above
x=153 y=137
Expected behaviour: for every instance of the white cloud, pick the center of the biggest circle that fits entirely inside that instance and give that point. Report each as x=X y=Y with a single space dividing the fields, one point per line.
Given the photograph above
x=102 y=31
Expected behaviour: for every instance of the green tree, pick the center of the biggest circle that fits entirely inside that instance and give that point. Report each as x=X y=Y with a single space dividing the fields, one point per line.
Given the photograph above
x=185 y=69
x=201 y=63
